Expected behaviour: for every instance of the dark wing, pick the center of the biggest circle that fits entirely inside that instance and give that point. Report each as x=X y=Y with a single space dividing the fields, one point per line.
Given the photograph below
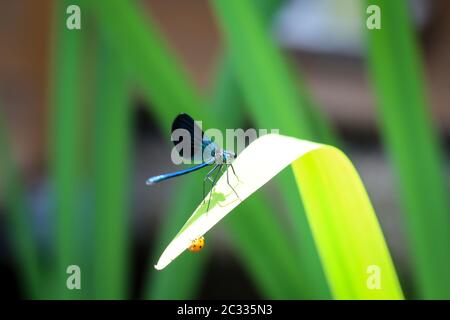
x=198 y=140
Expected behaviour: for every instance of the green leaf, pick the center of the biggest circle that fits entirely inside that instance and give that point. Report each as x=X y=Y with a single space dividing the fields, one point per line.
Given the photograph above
x=65 y=151
x=348 y=237
x=111 y=180
x=396 y=72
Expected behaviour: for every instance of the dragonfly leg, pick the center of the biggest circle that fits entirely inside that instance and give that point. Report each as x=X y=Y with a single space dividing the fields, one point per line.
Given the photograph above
x=234 y=172
x=213 y=185
x=208 y=177
x=228 y=181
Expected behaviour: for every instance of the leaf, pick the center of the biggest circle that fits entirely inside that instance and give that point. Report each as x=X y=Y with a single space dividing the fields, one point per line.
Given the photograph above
x=111 y=155
x=411 y=142
x=65 y=151
x=345 y=228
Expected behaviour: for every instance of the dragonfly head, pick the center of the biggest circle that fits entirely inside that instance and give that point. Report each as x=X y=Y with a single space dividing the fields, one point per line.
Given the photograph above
x=228 y=156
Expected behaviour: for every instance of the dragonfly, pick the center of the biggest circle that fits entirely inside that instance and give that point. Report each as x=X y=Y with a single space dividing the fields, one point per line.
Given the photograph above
x=200 y=145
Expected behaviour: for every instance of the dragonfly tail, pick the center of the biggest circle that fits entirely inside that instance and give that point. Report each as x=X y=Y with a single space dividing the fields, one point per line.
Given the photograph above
x=166 y=176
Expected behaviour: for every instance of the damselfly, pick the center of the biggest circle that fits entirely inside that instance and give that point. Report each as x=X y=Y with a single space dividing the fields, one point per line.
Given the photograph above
x=200 y=147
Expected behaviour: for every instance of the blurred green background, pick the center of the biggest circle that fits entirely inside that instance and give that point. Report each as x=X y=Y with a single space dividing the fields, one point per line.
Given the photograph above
x=85 y=119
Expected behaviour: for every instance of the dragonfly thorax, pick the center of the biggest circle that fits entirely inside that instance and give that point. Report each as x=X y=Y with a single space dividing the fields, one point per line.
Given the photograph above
x=222 y=157
x=219 y=156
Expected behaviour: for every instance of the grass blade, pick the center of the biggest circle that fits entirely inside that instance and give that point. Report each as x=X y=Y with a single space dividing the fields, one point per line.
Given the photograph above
x=260 y=69
x=395 y=69
x=345 y=227
x=65 y=152
x=348 y=236
x=111 y=168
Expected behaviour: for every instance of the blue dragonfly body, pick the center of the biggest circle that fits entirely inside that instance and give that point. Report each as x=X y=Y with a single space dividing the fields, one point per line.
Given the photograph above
x=200 y=145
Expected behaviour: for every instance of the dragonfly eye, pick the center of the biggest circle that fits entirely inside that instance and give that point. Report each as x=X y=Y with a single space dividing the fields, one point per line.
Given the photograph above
x=230 y=155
